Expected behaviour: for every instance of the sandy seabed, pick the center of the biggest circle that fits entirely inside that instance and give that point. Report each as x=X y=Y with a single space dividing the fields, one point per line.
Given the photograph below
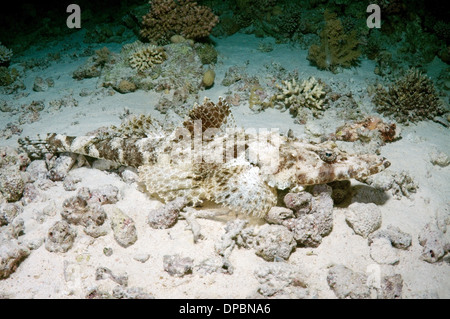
x=45 y=274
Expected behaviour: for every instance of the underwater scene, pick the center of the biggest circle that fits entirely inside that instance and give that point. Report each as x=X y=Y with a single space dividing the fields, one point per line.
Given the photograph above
x=240 y=149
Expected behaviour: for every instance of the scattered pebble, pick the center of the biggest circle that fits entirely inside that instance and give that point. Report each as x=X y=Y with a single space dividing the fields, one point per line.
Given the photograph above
x=382 y=252
x=363 y=218
x=347 y=284
x=177 y=266
x=122 y=225
x=60 y=237
x=141 y=257
x=167 y=215
x=274 y=242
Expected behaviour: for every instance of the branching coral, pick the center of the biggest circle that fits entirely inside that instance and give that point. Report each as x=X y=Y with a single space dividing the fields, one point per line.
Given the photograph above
x=336 y=47
x=145 y=56
x=183 y=17
x=411 y=98
x=5 y=55
x=308 y=94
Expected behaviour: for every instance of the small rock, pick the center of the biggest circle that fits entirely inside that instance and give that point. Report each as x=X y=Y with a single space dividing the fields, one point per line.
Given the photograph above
x=9 y=211
x=391 y=287
x=232 y=236
x=122 y=225
x=60 y=237
x=312 y=225
x=125 y=86
x=363 y=218
x=300 y=202
x=11 y=184
x=167 y=215
x=129 y=175
x=40 y=85
x=277 y=215
x=274 y=242
x=347 y=284
x=11 y=255
x=397 y=238
x=70 y=183
x=439 y=158
x=105 y=273
x=434 y=243
x=107 y=194
x=278 y=278
x=75 y=210
x=382 y=252
x=177 y=266
x=107 y=251
x=121 y=292
x=61 y=167
x=37 y=170
x=141 y=257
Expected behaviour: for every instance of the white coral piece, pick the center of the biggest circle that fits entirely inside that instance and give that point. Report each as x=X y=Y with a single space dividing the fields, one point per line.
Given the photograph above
x=309 y=93
x=145 y=56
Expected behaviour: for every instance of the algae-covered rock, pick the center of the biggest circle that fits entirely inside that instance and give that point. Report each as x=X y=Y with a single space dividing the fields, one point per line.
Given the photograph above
x=208 y=78
x=60 y=237
x=122 y=225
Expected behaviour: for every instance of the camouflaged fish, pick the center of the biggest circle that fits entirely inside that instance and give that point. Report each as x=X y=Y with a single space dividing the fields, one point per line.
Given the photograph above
x=208 y=159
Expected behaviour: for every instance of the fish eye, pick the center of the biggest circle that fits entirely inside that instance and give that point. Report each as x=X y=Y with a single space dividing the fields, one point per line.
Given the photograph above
x=327 y=156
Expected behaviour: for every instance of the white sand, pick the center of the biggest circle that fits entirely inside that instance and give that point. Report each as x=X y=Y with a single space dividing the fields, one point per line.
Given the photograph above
x=41 y=275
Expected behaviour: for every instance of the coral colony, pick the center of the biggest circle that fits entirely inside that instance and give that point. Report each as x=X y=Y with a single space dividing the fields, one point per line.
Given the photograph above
x=259 y=148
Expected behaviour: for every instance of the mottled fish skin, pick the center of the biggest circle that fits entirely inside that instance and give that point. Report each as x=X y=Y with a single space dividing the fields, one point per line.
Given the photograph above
x=248 y=167
x=298 y=163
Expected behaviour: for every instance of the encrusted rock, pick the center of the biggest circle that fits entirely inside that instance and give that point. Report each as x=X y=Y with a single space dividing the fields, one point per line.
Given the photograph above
x=300 y=203
x=70 y=183
x=314 y=223
x=177 y=266
x=233 y=230
x=60 y=237
x=439 y=158
x=397 y=238
x=167 y=215
x=106 y=194
x=121 y=292
x=278 y=279
x=125 y=86
x=61 y=166
x=277 y=215
x=274 y=242
x=9 y=211
x=75 y=210
x=434 y=243
x=41 y=85
x=12 y=184
x=141 y=257
x=347 y=284
x=11 y=254
x=391 y=287
x=363 y=218
x=382 y=252
x=397 y=183
x=105 y=273
x=122 y=225
x=37 y=170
